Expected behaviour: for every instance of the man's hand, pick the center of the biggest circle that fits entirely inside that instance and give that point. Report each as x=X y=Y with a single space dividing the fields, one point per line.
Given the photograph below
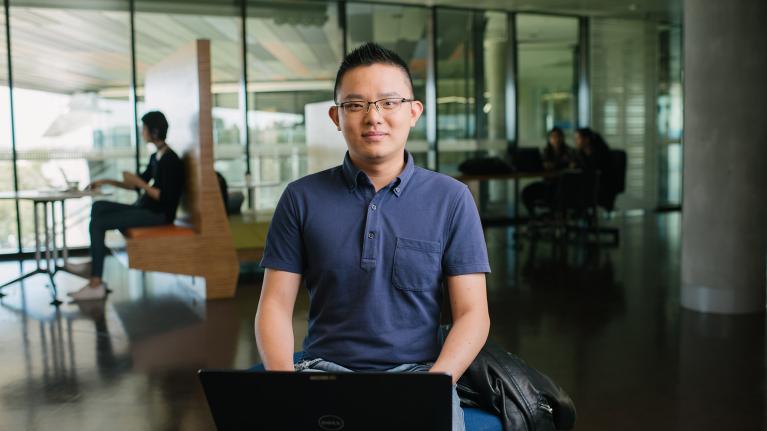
x=95 y=184
x=471 y=324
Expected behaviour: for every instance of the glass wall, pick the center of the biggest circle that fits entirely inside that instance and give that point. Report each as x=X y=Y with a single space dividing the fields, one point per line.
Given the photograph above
x=670 y=118
x=162 y=28
x=8 y=231
x=71 y=68
x=73 y=75
x=471 y=77
x=547 y=48
x=402 y=29
x=624 y=83
x=293 y=52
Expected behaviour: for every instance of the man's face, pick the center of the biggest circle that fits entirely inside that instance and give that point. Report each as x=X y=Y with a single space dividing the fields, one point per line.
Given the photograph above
x=145 y=134
x=374 y=136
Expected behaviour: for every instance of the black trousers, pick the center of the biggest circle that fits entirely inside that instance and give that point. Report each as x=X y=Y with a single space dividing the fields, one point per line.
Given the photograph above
x=107 y=215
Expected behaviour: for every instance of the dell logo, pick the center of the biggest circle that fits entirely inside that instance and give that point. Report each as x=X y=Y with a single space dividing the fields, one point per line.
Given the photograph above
x=331 y=423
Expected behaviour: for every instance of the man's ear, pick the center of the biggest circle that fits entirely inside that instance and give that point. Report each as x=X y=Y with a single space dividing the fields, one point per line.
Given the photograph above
x=416 y=109
x=333 y=113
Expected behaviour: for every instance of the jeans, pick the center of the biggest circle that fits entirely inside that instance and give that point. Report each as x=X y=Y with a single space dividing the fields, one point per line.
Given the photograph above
x=107 y=215
x=321 y=365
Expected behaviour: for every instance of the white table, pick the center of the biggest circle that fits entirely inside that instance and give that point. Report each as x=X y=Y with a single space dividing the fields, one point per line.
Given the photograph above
x=49 y=248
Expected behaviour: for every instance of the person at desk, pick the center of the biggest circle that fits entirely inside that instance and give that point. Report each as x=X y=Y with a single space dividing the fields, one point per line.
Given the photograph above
x=161 y=185
x=557 y=156
x=373 y=240
x=592 y=160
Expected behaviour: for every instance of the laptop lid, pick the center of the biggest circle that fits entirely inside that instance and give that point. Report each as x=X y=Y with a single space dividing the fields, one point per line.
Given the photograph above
x=245 y=400
x=527 y=159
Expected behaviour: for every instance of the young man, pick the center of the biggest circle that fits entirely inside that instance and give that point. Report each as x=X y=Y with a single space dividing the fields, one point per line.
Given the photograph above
x=161 y=183
x=373 y=240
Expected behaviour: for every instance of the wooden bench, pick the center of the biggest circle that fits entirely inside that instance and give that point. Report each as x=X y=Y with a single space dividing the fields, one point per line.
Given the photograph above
x=180 y=88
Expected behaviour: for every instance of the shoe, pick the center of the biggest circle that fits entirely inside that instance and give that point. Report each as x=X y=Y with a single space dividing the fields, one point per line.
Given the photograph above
x=88 y=293
x=88 y=286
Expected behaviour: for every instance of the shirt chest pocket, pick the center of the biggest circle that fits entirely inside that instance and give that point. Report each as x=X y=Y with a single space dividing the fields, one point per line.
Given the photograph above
x=417 y=264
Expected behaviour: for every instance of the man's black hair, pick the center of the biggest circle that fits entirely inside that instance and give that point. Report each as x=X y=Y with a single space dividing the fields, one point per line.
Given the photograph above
x=156 y=123
x=367 y=55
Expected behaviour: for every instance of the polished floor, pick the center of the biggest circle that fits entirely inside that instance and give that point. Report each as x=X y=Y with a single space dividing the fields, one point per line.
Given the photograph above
x=603 y=323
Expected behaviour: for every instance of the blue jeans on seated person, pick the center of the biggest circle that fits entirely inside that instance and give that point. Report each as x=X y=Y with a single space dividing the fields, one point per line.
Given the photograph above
x=320 y=365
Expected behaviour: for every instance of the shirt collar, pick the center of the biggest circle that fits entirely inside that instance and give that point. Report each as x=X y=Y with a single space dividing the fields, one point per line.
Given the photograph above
x=352 y=173
x=159 y=153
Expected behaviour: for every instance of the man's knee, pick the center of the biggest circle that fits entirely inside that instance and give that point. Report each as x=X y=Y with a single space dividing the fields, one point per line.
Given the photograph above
x=98 y=207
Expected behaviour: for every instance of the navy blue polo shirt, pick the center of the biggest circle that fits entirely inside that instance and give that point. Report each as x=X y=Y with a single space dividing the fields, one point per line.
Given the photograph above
x=374 y=262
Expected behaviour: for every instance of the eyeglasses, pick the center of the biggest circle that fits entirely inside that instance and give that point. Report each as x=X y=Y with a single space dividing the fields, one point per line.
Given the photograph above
x=384 y=105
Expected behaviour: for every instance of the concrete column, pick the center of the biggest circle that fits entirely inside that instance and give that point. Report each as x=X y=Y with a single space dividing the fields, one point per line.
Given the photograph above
x=724 y=209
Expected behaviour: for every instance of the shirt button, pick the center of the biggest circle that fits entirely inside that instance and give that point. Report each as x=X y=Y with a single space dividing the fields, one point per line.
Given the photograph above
x=373 y=207
x=371 y=235
x=396 y=190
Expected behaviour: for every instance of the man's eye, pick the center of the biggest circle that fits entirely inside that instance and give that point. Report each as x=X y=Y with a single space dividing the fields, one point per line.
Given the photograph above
x=391 y=103
x=354 y=106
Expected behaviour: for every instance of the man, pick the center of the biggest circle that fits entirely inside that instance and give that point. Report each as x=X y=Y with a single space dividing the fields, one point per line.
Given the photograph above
x=161 y=185
x=373 y=240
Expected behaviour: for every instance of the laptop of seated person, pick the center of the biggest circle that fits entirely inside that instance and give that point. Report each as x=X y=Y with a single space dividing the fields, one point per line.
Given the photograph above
x=246 y=400
x=527 y=160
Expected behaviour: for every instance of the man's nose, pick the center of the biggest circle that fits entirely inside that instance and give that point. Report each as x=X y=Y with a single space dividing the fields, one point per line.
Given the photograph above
x=373 y=113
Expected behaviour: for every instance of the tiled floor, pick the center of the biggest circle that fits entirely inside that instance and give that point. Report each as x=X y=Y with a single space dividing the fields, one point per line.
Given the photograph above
x=605 y=324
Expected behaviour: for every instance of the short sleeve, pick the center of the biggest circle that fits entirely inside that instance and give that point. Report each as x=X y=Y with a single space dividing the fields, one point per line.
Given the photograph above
x=284 y=242
x=465 y=248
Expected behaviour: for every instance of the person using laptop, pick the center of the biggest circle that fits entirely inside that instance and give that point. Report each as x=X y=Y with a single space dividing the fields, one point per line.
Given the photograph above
x=161 y=185
x=373 y=240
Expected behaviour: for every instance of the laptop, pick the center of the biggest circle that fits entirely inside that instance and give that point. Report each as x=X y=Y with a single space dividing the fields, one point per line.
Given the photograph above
x=527 y=160
x=246 y=400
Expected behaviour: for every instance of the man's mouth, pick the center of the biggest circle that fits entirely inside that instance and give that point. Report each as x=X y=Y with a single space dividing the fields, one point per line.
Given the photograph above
x=374 y=135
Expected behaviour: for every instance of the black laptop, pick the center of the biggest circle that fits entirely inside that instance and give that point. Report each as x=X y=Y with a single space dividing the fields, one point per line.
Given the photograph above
x=525 y=159
x=245 y=400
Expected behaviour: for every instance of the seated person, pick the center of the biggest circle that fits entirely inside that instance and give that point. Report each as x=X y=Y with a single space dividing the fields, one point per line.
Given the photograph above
x=592 y=159
x=557 y=155
x=373 y=240
x=161 y=185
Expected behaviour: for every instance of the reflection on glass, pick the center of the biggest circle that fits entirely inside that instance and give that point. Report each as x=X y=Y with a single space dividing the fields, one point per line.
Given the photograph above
x=71 y=68
x=8 y=232
x=162 y=28
x=293 y=52
x=471 y=61
x=455 y=88
x=403 y=30
x=546 y=53
x=670 y=117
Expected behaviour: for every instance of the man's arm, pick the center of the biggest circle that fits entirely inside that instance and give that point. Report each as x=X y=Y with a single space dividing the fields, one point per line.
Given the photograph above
x=274 y=319
x=134 y=181
x=106 y=182
x=471 y=324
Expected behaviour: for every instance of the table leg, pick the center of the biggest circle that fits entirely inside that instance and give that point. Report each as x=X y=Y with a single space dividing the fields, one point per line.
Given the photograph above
x=37 y=235
x=64 y=249
x=47 y=237
x=53 y=236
